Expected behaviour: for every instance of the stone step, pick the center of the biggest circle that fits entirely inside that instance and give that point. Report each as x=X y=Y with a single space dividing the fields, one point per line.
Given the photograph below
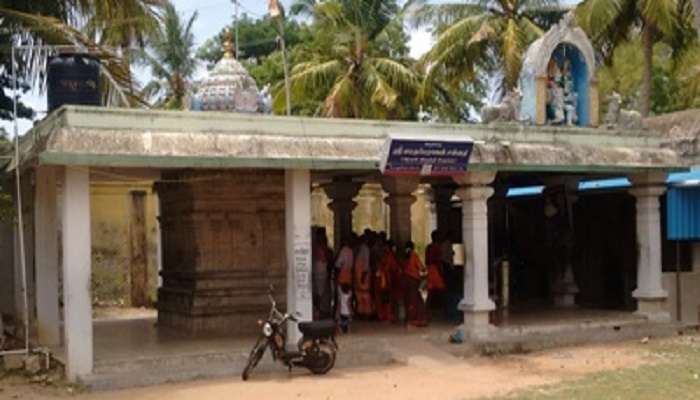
x=531 y=339
x=145 y=371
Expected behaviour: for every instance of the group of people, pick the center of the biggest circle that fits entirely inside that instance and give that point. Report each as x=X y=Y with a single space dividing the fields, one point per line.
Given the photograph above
x=367 y=279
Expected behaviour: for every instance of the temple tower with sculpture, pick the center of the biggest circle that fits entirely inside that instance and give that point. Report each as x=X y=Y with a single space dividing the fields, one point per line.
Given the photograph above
x=557 y=81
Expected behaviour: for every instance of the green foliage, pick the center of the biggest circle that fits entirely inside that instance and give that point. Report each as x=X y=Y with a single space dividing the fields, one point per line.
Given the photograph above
x=98 y=26
x=675 y=84
x=356 y=66
x=491 y=36
x=610 y=23
x=170 y=57
x=257 y=39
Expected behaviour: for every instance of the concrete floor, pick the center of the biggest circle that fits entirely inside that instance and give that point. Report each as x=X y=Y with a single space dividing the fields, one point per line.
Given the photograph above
x=126 y=339
x=134 y=352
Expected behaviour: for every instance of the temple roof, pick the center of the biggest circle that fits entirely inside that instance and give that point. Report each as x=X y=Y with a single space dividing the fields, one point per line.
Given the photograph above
x=93 y=136
x=228 y=87
x=681 y=131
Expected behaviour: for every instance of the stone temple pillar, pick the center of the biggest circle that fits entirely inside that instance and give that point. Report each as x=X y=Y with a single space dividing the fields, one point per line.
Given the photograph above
x=650 y=295
x=474 y=190
x=223 y=243
x=342 y=191
x=370 y=210
x=430 y=213
x=400 y=199
x=565 y=287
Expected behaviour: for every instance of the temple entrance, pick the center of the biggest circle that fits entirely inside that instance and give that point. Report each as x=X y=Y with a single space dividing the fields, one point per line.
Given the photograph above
x=603 y=258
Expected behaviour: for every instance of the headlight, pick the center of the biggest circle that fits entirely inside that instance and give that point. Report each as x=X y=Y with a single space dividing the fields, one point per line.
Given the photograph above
x=267 y=329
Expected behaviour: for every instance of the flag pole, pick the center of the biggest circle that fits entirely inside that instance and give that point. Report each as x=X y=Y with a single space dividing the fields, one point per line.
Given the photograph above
x=276 y=13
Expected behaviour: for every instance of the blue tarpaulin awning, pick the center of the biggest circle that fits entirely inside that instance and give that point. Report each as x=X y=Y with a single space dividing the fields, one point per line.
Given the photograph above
x=683 y=213
x=682 y=201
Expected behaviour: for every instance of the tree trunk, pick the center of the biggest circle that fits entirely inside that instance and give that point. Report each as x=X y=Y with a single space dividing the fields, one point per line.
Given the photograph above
x=696 y=8
x=648 y=42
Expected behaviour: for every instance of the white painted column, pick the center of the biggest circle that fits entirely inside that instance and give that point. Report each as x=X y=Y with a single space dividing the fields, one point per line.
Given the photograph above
x=650 y=295
x=474 y=191
x=297 y=189
x=77 y=302
x=430 y=213
x=46 y=257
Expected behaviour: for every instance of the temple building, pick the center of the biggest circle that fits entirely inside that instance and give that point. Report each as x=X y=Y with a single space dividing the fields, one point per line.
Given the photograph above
x=236 y=194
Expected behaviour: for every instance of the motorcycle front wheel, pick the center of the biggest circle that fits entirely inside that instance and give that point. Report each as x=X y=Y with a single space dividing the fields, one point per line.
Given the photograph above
x=323 y=358
x=254 y=357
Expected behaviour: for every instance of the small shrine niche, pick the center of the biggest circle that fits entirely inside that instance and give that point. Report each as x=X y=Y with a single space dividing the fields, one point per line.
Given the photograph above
x=557 y=81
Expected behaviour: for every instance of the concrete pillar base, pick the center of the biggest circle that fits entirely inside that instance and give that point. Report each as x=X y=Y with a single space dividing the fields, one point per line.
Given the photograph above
x=653 y=310
x=565 y=300
x=565 y=294
x=476 y=325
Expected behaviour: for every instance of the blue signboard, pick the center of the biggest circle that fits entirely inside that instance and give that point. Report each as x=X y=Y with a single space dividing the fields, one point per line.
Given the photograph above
x=426 y=157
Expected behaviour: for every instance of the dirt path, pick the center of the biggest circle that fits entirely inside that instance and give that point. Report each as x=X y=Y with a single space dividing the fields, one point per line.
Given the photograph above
x=425 y=373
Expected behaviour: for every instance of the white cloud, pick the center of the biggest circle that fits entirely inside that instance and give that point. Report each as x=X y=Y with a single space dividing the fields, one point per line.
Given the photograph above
x=421 y=41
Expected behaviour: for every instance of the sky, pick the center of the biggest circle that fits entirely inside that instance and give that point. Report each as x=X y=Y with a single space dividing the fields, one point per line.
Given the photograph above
x=212 y=16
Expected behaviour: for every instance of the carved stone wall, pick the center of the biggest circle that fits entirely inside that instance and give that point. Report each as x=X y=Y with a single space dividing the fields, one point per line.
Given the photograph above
x=222 y=244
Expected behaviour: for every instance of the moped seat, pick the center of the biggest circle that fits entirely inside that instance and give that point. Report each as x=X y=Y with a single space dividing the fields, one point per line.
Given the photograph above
x=317 y=329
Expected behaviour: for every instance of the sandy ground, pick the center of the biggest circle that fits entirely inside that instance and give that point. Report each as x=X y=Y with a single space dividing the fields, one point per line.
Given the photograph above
x=427 y=373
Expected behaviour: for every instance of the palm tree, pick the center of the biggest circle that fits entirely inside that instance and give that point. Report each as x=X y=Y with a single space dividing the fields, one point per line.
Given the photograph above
x=171 y=59
x=473 y=35
x=349 y=68
x=610 y=22
x=105 y=28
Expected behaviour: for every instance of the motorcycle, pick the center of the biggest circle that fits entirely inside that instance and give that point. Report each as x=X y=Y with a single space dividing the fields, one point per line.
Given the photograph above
x=316 y=349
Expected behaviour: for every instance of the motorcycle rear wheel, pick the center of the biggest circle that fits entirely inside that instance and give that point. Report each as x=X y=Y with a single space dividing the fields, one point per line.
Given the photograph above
x=254 y=357
x=325 y=360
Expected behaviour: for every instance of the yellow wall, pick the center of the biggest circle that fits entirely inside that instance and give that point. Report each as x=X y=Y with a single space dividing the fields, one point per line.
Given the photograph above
x=110 y=204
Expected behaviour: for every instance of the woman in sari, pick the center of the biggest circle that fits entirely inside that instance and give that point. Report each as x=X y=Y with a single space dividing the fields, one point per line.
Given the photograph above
x=363 y=280
x=416 y=286
x=388 y=270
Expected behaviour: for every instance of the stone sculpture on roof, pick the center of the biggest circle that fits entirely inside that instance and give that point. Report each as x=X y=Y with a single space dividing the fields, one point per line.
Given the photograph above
x=229 y=87
x=557 y=80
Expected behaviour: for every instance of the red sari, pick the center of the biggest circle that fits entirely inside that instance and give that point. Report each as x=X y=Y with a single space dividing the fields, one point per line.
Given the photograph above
x=416 y=308
x=363 y=283
x=387 y=269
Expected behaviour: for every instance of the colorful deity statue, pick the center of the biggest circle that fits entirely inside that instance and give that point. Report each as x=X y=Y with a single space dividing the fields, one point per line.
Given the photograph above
x=558 y=78
x=570 y=95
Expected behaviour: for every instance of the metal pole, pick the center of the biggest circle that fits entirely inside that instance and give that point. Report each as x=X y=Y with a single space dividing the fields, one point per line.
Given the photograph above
x=20 y=219
x=679 y=308
x=287 y=87
x=235 y=27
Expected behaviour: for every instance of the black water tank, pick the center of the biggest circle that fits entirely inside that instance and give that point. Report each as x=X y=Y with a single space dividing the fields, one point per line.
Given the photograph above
x=73 y=79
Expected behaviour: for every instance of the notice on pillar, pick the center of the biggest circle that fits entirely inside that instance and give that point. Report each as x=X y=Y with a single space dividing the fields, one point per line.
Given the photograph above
x=428 y=156
x=302 y=266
